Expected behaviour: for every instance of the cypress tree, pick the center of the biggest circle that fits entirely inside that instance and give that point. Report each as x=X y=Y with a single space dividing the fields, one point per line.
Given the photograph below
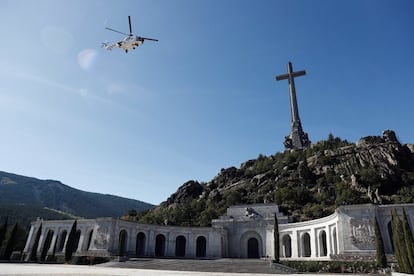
x=399 y=244
x=70 y=244
x=408 y=241
x=10 y=243
x=380 y=256
x=33 y=253
x=3 y=231
x=276 y=240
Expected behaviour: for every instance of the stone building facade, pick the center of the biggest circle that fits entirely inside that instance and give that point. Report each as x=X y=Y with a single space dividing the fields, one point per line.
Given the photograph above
x=245 y=231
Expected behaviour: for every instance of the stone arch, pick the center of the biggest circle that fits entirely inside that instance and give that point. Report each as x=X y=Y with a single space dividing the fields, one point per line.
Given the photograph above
x=201 y=247
x=251 y=245
x=180 y=243
x=61 y=242
x=286 y=246
x=122 y=242
x=305 y=245
x=140 y=246
x=323 y=249
x=160 y=245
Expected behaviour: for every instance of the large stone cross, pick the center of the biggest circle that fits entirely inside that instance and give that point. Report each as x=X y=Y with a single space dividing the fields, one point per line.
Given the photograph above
x=297 y=139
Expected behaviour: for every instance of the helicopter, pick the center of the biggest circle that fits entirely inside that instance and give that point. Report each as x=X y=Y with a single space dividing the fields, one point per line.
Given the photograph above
x=131 y=41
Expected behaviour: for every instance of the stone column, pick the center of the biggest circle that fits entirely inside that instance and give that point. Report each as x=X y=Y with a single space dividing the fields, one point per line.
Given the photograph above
x=314 y=243
x=41 y=242
x=169 y=244
x=29 y=241
x=328 y=241
x=191 y=245
x=150 y=250
x=295 y=243
x=133 y=242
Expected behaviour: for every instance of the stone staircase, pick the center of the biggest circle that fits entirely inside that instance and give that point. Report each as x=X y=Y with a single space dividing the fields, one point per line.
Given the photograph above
x=216 y=265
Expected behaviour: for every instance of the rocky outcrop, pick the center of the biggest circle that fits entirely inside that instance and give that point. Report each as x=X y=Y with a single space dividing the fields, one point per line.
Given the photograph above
x=375 y=167
x=189 y=190
x=376 y=152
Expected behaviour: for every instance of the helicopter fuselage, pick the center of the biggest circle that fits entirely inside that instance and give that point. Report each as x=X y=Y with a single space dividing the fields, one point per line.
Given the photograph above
x=130 y=42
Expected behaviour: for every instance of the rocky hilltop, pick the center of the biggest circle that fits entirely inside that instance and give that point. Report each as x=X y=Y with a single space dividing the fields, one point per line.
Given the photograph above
x=306 y=184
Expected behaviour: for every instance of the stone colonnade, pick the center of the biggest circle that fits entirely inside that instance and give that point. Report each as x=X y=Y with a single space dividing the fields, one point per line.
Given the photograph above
x=244 y=232
x=310 y=240
x=102 y=237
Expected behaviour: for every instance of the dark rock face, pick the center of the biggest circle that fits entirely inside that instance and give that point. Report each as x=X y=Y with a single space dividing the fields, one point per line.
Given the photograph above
x=191 y=189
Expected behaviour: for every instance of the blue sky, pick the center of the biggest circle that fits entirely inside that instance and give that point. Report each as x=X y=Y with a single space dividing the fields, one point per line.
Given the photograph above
x=204 y=97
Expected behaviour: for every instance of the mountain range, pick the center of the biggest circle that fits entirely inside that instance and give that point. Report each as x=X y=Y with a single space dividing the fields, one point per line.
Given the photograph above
x=51 y=199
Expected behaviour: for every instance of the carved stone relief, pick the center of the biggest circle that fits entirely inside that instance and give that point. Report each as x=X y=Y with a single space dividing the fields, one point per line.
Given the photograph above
x=362 y=232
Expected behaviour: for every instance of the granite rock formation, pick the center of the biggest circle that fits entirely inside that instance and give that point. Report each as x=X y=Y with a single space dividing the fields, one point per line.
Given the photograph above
x=311 y=183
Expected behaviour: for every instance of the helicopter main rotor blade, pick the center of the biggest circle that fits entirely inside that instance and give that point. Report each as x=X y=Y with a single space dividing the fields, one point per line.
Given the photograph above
x=147 y=38
x=115 y=31
x=130 y=27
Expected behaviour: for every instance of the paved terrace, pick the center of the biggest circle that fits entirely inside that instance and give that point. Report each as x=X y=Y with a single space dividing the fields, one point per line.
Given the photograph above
x=143 y=266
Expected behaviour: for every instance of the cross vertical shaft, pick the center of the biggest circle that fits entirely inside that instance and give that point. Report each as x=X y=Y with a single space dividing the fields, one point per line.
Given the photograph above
x=297 y=138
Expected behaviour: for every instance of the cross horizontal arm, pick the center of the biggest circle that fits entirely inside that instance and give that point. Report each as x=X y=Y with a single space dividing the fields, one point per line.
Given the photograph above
x=292 y=75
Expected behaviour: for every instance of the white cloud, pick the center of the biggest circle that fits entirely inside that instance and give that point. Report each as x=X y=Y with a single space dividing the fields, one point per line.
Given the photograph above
x=86 y=58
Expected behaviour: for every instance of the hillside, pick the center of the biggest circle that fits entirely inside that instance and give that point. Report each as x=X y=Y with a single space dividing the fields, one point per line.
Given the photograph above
x=28 y=191
x=25 y=214
x=305 y=184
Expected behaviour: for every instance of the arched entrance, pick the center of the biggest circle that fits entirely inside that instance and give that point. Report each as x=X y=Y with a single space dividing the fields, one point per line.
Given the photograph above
x=180 y=242
x=389 y=227
x=286 y=246
x=160 y=245
x=306 y=245
x=122 y=243
x=201 y=246
x=252 y=248
x=140 y=246
x=62 y=240
x=322 y=244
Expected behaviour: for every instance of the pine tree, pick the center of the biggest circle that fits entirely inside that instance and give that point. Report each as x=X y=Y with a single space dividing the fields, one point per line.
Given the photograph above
x=408 y=239
x=33 y=253
x=70 y=244
x=11 y=243
x=381 y=258
x=276 y=240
